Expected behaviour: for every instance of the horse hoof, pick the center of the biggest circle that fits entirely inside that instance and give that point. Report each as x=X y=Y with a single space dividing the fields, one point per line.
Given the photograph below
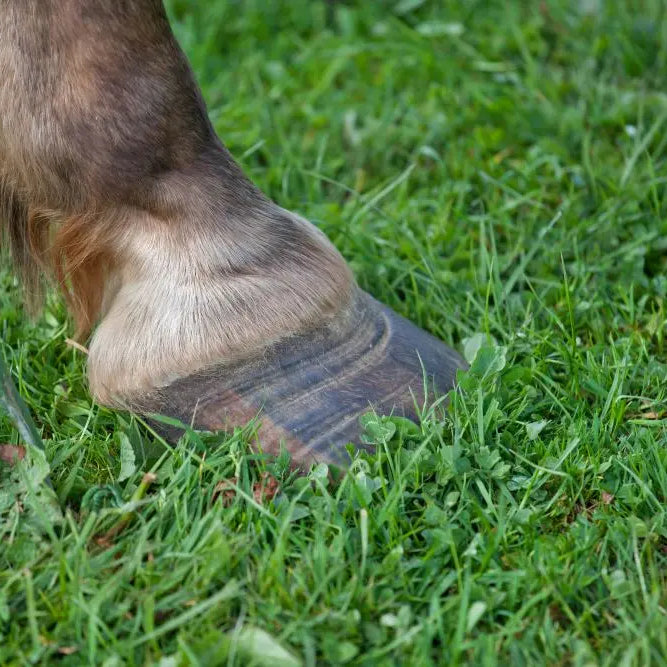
x=308 y=391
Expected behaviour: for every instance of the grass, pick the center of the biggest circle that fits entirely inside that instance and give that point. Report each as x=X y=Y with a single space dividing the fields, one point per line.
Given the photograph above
x=496 y=172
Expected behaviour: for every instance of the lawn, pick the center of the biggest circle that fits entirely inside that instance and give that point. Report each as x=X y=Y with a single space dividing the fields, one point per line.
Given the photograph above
x=495 y=171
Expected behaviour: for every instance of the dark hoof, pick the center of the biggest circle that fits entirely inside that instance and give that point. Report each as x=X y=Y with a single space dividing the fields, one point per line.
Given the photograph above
x=308 y=391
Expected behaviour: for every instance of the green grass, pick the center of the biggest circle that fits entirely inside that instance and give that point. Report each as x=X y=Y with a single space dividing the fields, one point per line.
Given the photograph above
x=496 y=172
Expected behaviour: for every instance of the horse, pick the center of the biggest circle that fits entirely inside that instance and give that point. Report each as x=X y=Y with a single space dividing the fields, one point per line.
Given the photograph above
x=204 y=300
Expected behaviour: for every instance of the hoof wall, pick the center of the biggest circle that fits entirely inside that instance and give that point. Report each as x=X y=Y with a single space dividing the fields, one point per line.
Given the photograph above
x=309 y=391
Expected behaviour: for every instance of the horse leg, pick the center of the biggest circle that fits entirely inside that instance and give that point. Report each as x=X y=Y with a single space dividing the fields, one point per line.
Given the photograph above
x=207 y=301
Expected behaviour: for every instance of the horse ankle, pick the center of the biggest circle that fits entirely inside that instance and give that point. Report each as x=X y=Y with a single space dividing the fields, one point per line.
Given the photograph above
x=214 y=281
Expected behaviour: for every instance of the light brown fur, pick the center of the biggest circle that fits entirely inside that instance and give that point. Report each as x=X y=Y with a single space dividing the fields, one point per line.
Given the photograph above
x=113 y=182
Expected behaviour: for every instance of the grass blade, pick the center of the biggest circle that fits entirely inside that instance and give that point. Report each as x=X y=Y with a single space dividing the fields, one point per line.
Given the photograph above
x=12 y=403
